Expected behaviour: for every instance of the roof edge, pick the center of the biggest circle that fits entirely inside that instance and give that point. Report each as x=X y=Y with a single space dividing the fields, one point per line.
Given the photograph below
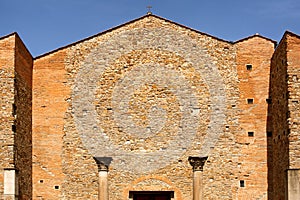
x=124 y=24
x=17 y=36
x=287 y=32
x=8 y=35
x=88 y=38
x=197 y=31
x=256 y=35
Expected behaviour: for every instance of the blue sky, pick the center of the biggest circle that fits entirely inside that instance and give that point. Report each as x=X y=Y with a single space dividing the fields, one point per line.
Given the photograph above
x=45 y=25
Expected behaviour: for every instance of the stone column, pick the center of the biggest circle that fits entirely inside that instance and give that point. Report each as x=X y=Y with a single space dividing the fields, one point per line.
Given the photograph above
x=197 y=164
x=103 y=164
x=293 y=184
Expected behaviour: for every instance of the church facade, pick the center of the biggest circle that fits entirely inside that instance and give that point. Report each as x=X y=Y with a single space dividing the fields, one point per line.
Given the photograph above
x=151 y=109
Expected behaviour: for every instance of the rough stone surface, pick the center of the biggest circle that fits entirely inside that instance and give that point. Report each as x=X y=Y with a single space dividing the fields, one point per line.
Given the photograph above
x=153 y=101
x=293 y=72
x=6 y=102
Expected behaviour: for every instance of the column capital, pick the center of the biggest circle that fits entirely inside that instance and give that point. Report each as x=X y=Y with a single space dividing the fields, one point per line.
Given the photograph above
x=103 y=163
x=197 y=162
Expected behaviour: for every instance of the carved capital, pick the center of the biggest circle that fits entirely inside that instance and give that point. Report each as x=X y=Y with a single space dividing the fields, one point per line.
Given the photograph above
x=103 y=163
x=197 y=162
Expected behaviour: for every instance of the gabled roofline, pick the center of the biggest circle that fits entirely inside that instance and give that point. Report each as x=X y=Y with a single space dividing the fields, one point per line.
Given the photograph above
x=88 y=38
x=256 y=35
x=10 y=34
x=17 y=36
x=197 y=31
x=124 y=24
x=287 y=32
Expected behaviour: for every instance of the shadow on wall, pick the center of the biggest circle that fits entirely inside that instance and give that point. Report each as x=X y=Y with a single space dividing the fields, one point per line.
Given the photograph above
x=277 y=125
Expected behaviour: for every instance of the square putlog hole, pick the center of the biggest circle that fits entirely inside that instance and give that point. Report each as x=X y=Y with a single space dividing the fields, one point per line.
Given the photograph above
x=250 y=101
x=249 y=67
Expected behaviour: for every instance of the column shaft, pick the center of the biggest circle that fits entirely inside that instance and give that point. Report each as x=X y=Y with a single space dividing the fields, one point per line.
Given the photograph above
x=103 y=185
x=197 y=186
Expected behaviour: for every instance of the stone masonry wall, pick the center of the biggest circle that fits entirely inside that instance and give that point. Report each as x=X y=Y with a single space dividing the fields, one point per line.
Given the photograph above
x=293 y=82
x=284 y=93
x=253 y=64
x=149 y=94
x=7 y=45
x=15 y=72
x=279 y=115
x=23 y=118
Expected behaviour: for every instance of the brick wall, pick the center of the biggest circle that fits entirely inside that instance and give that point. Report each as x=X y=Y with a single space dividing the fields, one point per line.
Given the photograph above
x=285 y=111
x=23 y=118
x=253 y=64
x=49 y=107
x=279 y=114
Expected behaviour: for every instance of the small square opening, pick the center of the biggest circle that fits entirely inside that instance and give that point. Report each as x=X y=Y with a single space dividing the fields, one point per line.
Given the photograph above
x=14 y=128
x=269 y=134
x=56 y=187
x=249 y=67
x=250 y=101
x=242 y=183
x=250 y=134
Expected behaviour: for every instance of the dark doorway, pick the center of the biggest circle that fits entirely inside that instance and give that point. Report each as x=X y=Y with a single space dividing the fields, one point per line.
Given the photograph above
x=151 y=195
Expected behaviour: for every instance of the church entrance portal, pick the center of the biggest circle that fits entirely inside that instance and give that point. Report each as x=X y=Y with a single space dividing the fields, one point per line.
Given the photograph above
x=151 y=195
